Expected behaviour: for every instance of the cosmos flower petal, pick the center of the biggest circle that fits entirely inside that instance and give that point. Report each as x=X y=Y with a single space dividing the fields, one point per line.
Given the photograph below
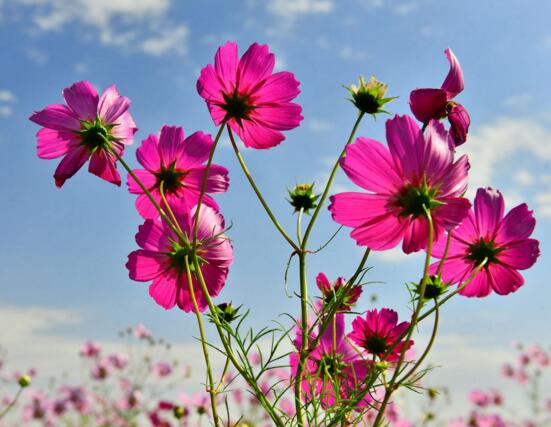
x=217 y=180
x=195 y=150
x=255 y=135
x=163 y=290
x=145 y=265
x=427 y=104
x=354 y=209
x=406 y=144
x=504 y=279
x=102 y=164
x=279 y=87
x=283 y=116
x=480 y=286
x=256 y=64
x=488 y=208
x=57 y=117
x=83 y=99
x=226 y=61
x=112 y=105
x=70 y=164
x=170 y=144
x=518 y=224
x=52 y=143
x=150 y=236
x=454 y=83
x=145 y=177
x=521 y=254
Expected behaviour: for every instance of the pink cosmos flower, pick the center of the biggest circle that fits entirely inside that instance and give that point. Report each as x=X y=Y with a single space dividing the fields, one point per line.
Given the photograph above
x=417 y=172
x=90 y=349
x=328 y=291
x=487 y=234
x=479 y=398
x=141 y=332
x=89 y=127
x=378 y=332
x=162 y=256
x=246 y=93
x=428 y=104
x=162 y=369
x=332 y=368
x=118 y=360
x=178 y=164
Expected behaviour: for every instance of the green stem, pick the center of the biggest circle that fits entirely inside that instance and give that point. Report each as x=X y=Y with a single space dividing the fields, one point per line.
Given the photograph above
x=392 y=384
x=259 y=194
x=168 y=208
x=303 y=358
x=204 y=183
x=12 y=403
x=445 y=254
x=299 y=226
x=259 y=394
x=330 y=181
x=211 y=390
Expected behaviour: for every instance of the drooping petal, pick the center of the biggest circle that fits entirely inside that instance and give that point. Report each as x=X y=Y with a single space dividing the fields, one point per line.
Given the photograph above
x=521 y=254
x=407 y=145
x=256 y=64
x=102 y=164
x=368 y=163
x=70 y=164
x=58 y=117
x=163 y=290
x=504 y=279
x=453 y=84
x=83 y=99
x=518 y=224
x=112 y=105
x=488 y=207
x=255 y=135
x=144 y=265
x=279 y=87
x=428 y=104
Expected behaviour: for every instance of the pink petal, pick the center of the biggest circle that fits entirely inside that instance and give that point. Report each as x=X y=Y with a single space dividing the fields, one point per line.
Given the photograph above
x=125 y=129
x=148 y=154
x=83 y=99
x=255 y=135
x=518 y=224
x=438 y=153
x=284 y=116
x=323 y=283
x=488 y=209
x=102 y=164
x=381 y=233
x=355 y=209
x=504 y=279
x=209 y=86
x=416 y=235
x=112 y=105
x=150 y=236
x=454 y=83
x=70 y=164
x=170 y=144
x=53 y=143
x=217 y=181
x=452 y=213
x=256 y=64
x=460 y=121
x=521 y=254
x=144 y=265
x=455 y=269
x=368 y=164
x=277 y=88
x=480 y=286
x=454 y=179
x=407 y=145
x=163 y=290
x=145 y=177
x=225 y=65
x=196 y=150
x=428 y=104
x=467 y=232
x=58 y=117
x=144 y=206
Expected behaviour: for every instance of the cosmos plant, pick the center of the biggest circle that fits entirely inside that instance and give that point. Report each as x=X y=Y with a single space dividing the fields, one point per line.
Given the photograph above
x=413 y=193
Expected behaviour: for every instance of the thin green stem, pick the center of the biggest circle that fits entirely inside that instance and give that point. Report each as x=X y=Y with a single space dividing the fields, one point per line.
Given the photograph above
x=211 y=390
x=303 y=358
x=299 y=226
x=168 y=208
x=445 y=254
x=259 y=194
x=330 y=182
x=12 y=403
x=204 y=183
x=392 y=384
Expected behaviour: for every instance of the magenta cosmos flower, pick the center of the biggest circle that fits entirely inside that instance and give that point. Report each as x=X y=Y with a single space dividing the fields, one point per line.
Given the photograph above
x=329 y=291
x=88 y=127
x=246 y=93
x=378 y=332
x=487 y=234
x=178 y=164
x=418 y=171
x=162 y=259
x=333 y=368
x=427 y=104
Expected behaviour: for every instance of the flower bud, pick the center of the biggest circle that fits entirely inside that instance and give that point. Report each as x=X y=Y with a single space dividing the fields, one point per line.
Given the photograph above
x=179 y=412
x=433 y=288
x=226 y=312
x=303 y=197
x=459 y=121
x=369 y=97
x=24 y=381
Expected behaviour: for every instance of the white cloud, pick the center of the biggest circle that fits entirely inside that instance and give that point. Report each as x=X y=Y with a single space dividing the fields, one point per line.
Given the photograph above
x=523 y=177
x=6 y=96
x=37 y=56
x=404 y=8
x=289 y=9
x=135 y=24
x=498 y=142
x=319 y=125
x=520 y=101
x=5 y=111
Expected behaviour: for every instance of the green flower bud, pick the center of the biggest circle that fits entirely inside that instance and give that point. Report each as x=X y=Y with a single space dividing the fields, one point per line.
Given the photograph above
x=226 y=312
x=369 y=97
x=434 y=288
x=24 y=381
x=303 y=197
x=179 y=412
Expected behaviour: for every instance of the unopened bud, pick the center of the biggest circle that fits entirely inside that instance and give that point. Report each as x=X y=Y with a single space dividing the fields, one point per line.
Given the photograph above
x=434 y=287
x=369 y=97
x=303 y=197
x=227 y=312
x=179 y=412
x=24 y=381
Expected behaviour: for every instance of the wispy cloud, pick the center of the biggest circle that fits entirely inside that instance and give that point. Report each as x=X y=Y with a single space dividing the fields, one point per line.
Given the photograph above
x=142 y=25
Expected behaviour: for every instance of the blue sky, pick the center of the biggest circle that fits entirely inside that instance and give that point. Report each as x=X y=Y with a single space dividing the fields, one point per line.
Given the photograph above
x=63 y=251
